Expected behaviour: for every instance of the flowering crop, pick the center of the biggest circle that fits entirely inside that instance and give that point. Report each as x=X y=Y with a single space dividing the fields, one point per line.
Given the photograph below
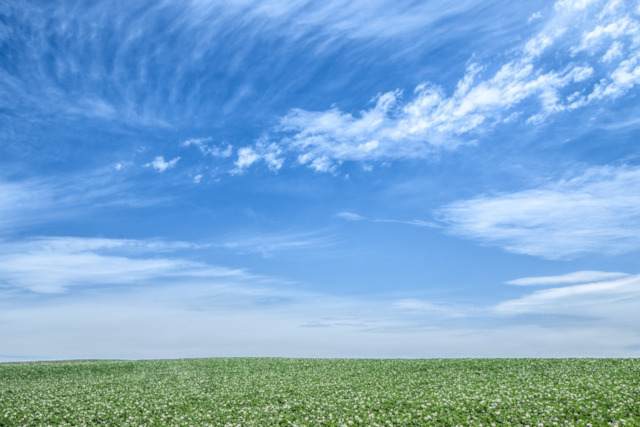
x=232 y=392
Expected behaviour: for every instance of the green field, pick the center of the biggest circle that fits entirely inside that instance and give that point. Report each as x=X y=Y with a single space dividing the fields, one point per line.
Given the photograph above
x=532 y=392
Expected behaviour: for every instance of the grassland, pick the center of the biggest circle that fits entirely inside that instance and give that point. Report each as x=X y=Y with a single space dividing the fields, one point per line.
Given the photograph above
x=578 y=392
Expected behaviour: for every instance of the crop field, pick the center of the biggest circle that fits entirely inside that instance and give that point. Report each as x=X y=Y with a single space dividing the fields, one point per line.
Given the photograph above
x=533 y=392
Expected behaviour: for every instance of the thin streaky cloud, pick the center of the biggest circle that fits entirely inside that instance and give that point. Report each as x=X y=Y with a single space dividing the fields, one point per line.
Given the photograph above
x=413 y=305
x=416 y=222
x=597 y=211
x=614 y=301
x=333 y=19
x=69 y=244
x=350 y=216
x=27 y=203
x=569 y=278
x=56 y=264
x=269 y=244
x=154 y=93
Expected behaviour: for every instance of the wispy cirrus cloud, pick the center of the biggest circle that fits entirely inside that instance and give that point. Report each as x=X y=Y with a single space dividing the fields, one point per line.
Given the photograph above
x=586 y=52
x=565 y=279
x=195 y=322
x=20 y=202
x=350 y=216
x=133 y=288
x=25 y=203
x=54 y=265
x=597 y=211
x=417 y=306
x=268 y=244
x=104 y=61
x=332 y=19
x=614 y=300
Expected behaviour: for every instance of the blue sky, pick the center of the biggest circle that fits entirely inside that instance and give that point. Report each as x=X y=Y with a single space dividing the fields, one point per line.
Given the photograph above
x=320 y=179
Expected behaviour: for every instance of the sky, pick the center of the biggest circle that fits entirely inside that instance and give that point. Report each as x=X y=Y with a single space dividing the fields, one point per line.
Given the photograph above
x=345 y=178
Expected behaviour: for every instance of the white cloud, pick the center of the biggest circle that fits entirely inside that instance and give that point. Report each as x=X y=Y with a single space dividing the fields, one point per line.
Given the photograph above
x=592 y=40
x=615 y=52
x=269 y=153
x=430 y=121
x=267 y=244
x=129 y=292
x=527 y=87
x=333 y=19
x=413 y=305
x=615 y=301
x=20 y=201
x=198 y=27
x=212 y=150
x=83 y=244
x=620 y=81
x=160 y=165
x=195 y=320
x=197 y=179
x=53 y=265
x=597 y=211
x=350 y=216
x=571 y=5
x=535 y=16
x=246 y=157
x=319 y=164
x=570 y=278
x=201 y=143
x=29 y=202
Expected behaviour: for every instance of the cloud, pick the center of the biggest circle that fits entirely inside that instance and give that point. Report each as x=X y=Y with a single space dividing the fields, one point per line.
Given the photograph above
x=20 y=202
x=269 y=153
x=53 y=265
x=350 y=216
x=246 y=157
x=206 y=149
x=535 y=16
x=597 y=211
x=123 y=292
x=194 y=322
x=27 y=203
x=576 y=277
x=268 y=244
x=319 y=164
x=614 y=52
x=160 y=165
x=413 y=305
x=82 y=244
x=596 y=58
x=615 y=301
x=332 y=19
x=66 y=55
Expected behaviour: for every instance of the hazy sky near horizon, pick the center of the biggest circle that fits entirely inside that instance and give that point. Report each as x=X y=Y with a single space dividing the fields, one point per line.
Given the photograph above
x=199 y=178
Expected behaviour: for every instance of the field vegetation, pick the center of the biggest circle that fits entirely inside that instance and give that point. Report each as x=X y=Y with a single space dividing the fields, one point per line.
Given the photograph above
x=333 y=392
